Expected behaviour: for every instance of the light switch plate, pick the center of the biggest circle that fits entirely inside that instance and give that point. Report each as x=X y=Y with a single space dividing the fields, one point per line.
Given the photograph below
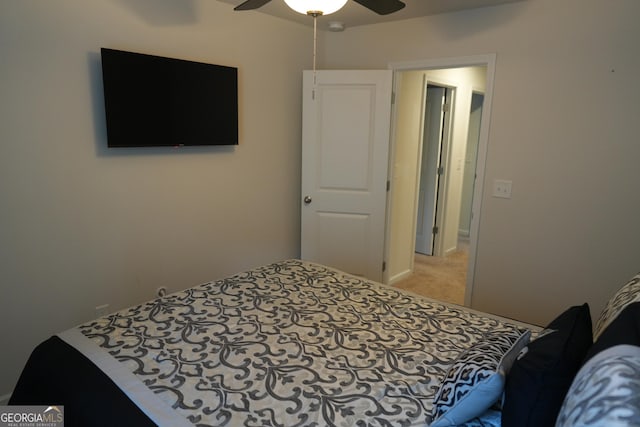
x=502 y=188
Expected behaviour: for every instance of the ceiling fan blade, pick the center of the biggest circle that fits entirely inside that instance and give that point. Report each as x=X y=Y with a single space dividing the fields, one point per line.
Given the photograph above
x=382 y=7
x=251 y=4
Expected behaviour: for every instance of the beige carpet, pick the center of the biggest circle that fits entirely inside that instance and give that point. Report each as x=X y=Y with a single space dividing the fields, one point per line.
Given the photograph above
x=441 y=278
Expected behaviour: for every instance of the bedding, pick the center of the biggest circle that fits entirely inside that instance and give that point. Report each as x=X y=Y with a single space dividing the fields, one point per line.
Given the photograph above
x=288 y=344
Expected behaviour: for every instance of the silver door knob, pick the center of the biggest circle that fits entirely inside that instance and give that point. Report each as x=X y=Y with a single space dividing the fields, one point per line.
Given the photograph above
x=307 y=200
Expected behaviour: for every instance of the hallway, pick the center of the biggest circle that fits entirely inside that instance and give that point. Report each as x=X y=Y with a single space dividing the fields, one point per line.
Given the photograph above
x=441 y=278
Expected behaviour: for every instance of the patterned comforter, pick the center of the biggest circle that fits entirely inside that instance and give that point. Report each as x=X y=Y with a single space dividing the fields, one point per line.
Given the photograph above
x=288 y=344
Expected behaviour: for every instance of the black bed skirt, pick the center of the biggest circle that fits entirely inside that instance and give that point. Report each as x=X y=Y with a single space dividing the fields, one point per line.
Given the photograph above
x=57 y=374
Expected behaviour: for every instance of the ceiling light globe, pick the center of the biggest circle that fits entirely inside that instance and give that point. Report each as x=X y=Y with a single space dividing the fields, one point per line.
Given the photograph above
x=321 y=7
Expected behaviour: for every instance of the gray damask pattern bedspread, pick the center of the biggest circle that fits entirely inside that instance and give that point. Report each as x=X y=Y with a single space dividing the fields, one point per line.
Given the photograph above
x=292 y=344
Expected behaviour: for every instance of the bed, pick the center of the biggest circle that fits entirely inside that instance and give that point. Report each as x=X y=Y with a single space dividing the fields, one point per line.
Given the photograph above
x=287 y=344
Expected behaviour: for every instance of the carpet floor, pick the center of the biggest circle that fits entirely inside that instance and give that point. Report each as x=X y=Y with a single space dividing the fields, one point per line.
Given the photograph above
x=441 y=278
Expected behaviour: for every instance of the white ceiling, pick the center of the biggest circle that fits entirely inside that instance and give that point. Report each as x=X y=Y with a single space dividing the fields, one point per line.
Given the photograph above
x=354 y=14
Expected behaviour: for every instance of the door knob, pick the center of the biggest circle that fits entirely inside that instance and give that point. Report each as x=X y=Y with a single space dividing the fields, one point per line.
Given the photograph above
x=307 y=200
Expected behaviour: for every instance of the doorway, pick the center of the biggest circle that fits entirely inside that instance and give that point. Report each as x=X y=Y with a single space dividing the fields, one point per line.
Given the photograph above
x=404 y=161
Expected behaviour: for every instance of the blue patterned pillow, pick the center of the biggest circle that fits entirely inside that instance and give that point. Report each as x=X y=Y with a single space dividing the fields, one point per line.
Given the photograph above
x=605 y=391
x=476 y=379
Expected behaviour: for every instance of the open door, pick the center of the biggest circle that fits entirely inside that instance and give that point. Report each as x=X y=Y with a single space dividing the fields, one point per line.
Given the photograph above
x=431 y=169
x=345 y=148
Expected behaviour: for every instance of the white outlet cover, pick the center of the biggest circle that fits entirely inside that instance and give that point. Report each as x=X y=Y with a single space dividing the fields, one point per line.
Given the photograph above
x=502 y=188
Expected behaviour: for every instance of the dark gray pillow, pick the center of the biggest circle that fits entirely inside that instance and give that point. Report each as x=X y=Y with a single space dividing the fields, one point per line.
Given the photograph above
x=624 y=329
x=626 y=295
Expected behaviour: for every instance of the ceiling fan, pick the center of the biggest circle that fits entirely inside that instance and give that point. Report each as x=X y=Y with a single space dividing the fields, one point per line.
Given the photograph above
x=381 y=7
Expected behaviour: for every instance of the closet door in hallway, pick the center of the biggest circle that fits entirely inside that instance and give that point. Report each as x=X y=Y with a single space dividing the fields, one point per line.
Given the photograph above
x=432 y=168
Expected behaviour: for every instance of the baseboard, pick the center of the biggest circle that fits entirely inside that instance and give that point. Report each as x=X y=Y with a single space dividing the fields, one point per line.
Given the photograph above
x=399 y=276
x=450 y=251
x=4 y=400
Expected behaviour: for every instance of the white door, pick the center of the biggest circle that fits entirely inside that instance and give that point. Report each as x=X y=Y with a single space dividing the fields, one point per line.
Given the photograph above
x=430 y=169
x=345 y=147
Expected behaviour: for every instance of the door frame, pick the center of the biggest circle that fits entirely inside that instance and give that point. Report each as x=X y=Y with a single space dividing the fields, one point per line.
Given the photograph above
x=488 y=61
x=480 y=92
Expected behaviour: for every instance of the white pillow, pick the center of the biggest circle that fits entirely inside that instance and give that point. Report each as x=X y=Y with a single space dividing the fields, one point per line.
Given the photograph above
x=476 y=379
x=605 y=391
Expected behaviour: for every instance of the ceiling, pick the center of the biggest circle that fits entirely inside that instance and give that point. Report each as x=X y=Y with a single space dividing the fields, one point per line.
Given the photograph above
x=353 y=14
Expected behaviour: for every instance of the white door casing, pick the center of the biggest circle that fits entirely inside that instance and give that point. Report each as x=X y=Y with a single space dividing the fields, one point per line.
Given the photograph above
x=345 y=147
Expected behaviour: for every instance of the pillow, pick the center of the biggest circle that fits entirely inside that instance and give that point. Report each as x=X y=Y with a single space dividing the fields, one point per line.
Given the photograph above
x=624 y=329
x=538 y=382
x=629 y=293
x=475 y=381
x=605 y=391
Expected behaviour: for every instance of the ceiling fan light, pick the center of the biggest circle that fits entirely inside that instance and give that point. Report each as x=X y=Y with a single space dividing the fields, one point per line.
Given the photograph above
x=320 y=7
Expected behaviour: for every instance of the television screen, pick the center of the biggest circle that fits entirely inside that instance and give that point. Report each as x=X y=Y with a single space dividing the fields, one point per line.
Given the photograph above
x=153 y=101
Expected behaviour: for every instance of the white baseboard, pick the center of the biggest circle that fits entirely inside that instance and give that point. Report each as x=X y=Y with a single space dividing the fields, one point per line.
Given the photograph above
x=4 y=400
x=399 y=276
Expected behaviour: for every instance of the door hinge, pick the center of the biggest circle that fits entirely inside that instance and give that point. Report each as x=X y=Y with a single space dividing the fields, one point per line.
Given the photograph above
x=435 y=230
x=446 y=107
x=384 y=266
x=313 y=94
x=393 y=98
x=440 y=170
x=388 y=185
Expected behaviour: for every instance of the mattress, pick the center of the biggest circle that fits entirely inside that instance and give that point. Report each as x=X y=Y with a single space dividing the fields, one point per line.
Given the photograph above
x=288 y=344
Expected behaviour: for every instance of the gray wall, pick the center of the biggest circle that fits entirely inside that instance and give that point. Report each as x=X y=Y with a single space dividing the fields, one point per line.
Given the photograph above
x=82 y=225
x=563 y=129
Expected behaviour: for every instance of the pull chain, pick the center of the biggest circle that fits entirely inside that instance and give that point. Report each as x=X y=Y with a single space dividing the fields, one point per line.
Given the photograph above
x=315 y=43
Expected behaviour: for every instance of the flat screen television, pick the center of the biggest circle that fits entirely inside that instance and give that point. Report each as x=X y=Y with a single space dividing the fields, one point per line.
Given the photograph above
x=153 y=101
